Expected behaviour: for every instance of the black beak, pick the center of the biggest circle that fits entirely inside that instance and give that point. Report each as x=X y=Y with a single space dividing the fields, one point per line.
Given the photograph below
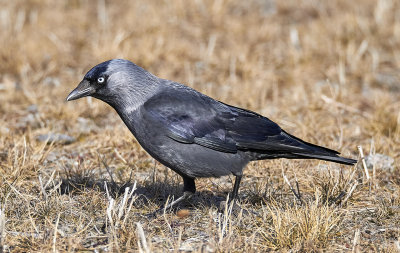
x=84 y=89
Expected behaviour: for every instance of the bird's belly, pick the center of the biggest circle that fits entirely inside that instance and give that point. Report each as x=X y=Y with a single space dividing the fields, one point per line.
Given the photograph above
x=191 y=159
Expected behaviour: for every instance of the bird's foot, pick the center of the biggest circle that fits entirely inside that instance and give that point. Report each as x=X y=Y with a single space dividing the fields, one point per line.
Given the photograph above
x=186 y=195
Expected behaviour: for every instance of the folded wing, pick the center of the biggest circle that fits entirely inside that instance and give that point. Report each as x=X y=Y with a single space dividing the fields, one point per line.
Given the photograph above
x=190 y=117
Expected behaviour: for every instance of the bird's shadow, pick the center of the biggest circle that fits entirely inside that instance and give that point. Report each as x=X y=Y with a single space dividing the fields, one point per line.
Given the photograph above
x=150 y=193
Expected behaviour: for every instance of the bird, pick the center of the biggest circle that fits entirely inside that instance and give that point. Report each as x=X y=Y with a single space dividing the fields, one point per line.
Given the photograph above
x=189 y=132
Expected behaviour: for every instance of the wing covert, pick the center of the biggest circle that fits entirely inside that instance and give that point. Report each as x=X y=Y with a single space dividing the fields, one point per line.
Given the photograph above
x=190 y=118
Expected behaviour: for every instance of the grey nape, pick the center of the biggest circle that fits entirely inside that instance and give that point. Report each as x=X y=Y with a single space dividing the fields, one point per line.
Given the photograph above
x=189 y=132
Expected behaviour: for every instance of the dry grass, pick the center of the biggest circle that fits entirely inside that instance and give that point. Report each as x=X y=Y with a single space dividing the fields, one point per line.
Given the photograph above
x=326 y=71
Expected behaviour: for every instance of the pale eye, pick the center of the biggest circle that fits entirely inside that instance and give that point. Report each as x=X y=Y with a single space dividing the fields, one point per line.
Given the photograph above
x=100 y=79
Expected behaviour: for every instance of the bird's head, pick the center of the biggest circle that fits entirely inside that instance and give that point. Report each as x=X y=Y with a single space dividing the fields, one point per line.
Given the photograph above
x=99 y=81
x=115 y=81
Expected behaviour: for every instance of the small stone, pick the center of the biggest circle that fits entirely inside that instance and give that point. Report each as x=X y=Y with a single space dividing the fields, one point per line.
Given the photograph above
x=57 y=138
x=382 y=162
x=183 y=213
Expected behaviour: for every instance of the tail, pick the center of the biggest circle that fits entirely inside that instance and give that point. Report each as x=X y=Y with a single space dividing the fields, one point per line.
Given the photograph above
x=304 y=150
x=330 y=158
x=321 y=153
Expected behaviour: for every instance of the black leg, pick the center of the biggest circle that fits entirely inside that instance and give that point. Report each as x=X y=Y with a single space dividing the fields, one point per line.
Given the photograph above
x=189 y=188
x=232 y=197
x=236 y=187
x=189 y=185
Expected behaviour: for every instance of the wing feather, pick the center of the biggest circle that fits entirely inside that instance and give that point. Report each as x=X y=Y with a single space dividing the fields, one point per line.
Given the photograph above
x=190 y=117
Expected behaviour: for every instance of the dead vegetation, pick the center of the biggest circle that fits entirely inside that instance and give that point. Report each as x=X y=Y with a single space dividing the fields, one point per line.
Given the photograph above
x=326 y=71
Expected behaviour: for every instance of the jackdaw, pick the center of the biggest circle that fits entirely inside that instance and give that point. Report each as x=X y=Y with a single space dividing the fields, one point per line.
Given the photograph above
x=189 y=132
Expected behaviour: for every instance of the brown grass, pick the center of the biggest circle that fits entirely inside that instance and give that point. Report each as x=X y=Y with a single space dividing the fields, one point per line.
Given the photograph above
x=326 y=71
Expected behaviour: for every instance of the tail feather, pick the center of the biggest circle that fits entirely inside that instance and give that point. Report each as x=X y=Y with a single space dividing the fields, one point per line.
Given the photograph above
x=309 y=151
x=311 y=147
x=292 y=147
x=334 y=158
x=322 y=153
